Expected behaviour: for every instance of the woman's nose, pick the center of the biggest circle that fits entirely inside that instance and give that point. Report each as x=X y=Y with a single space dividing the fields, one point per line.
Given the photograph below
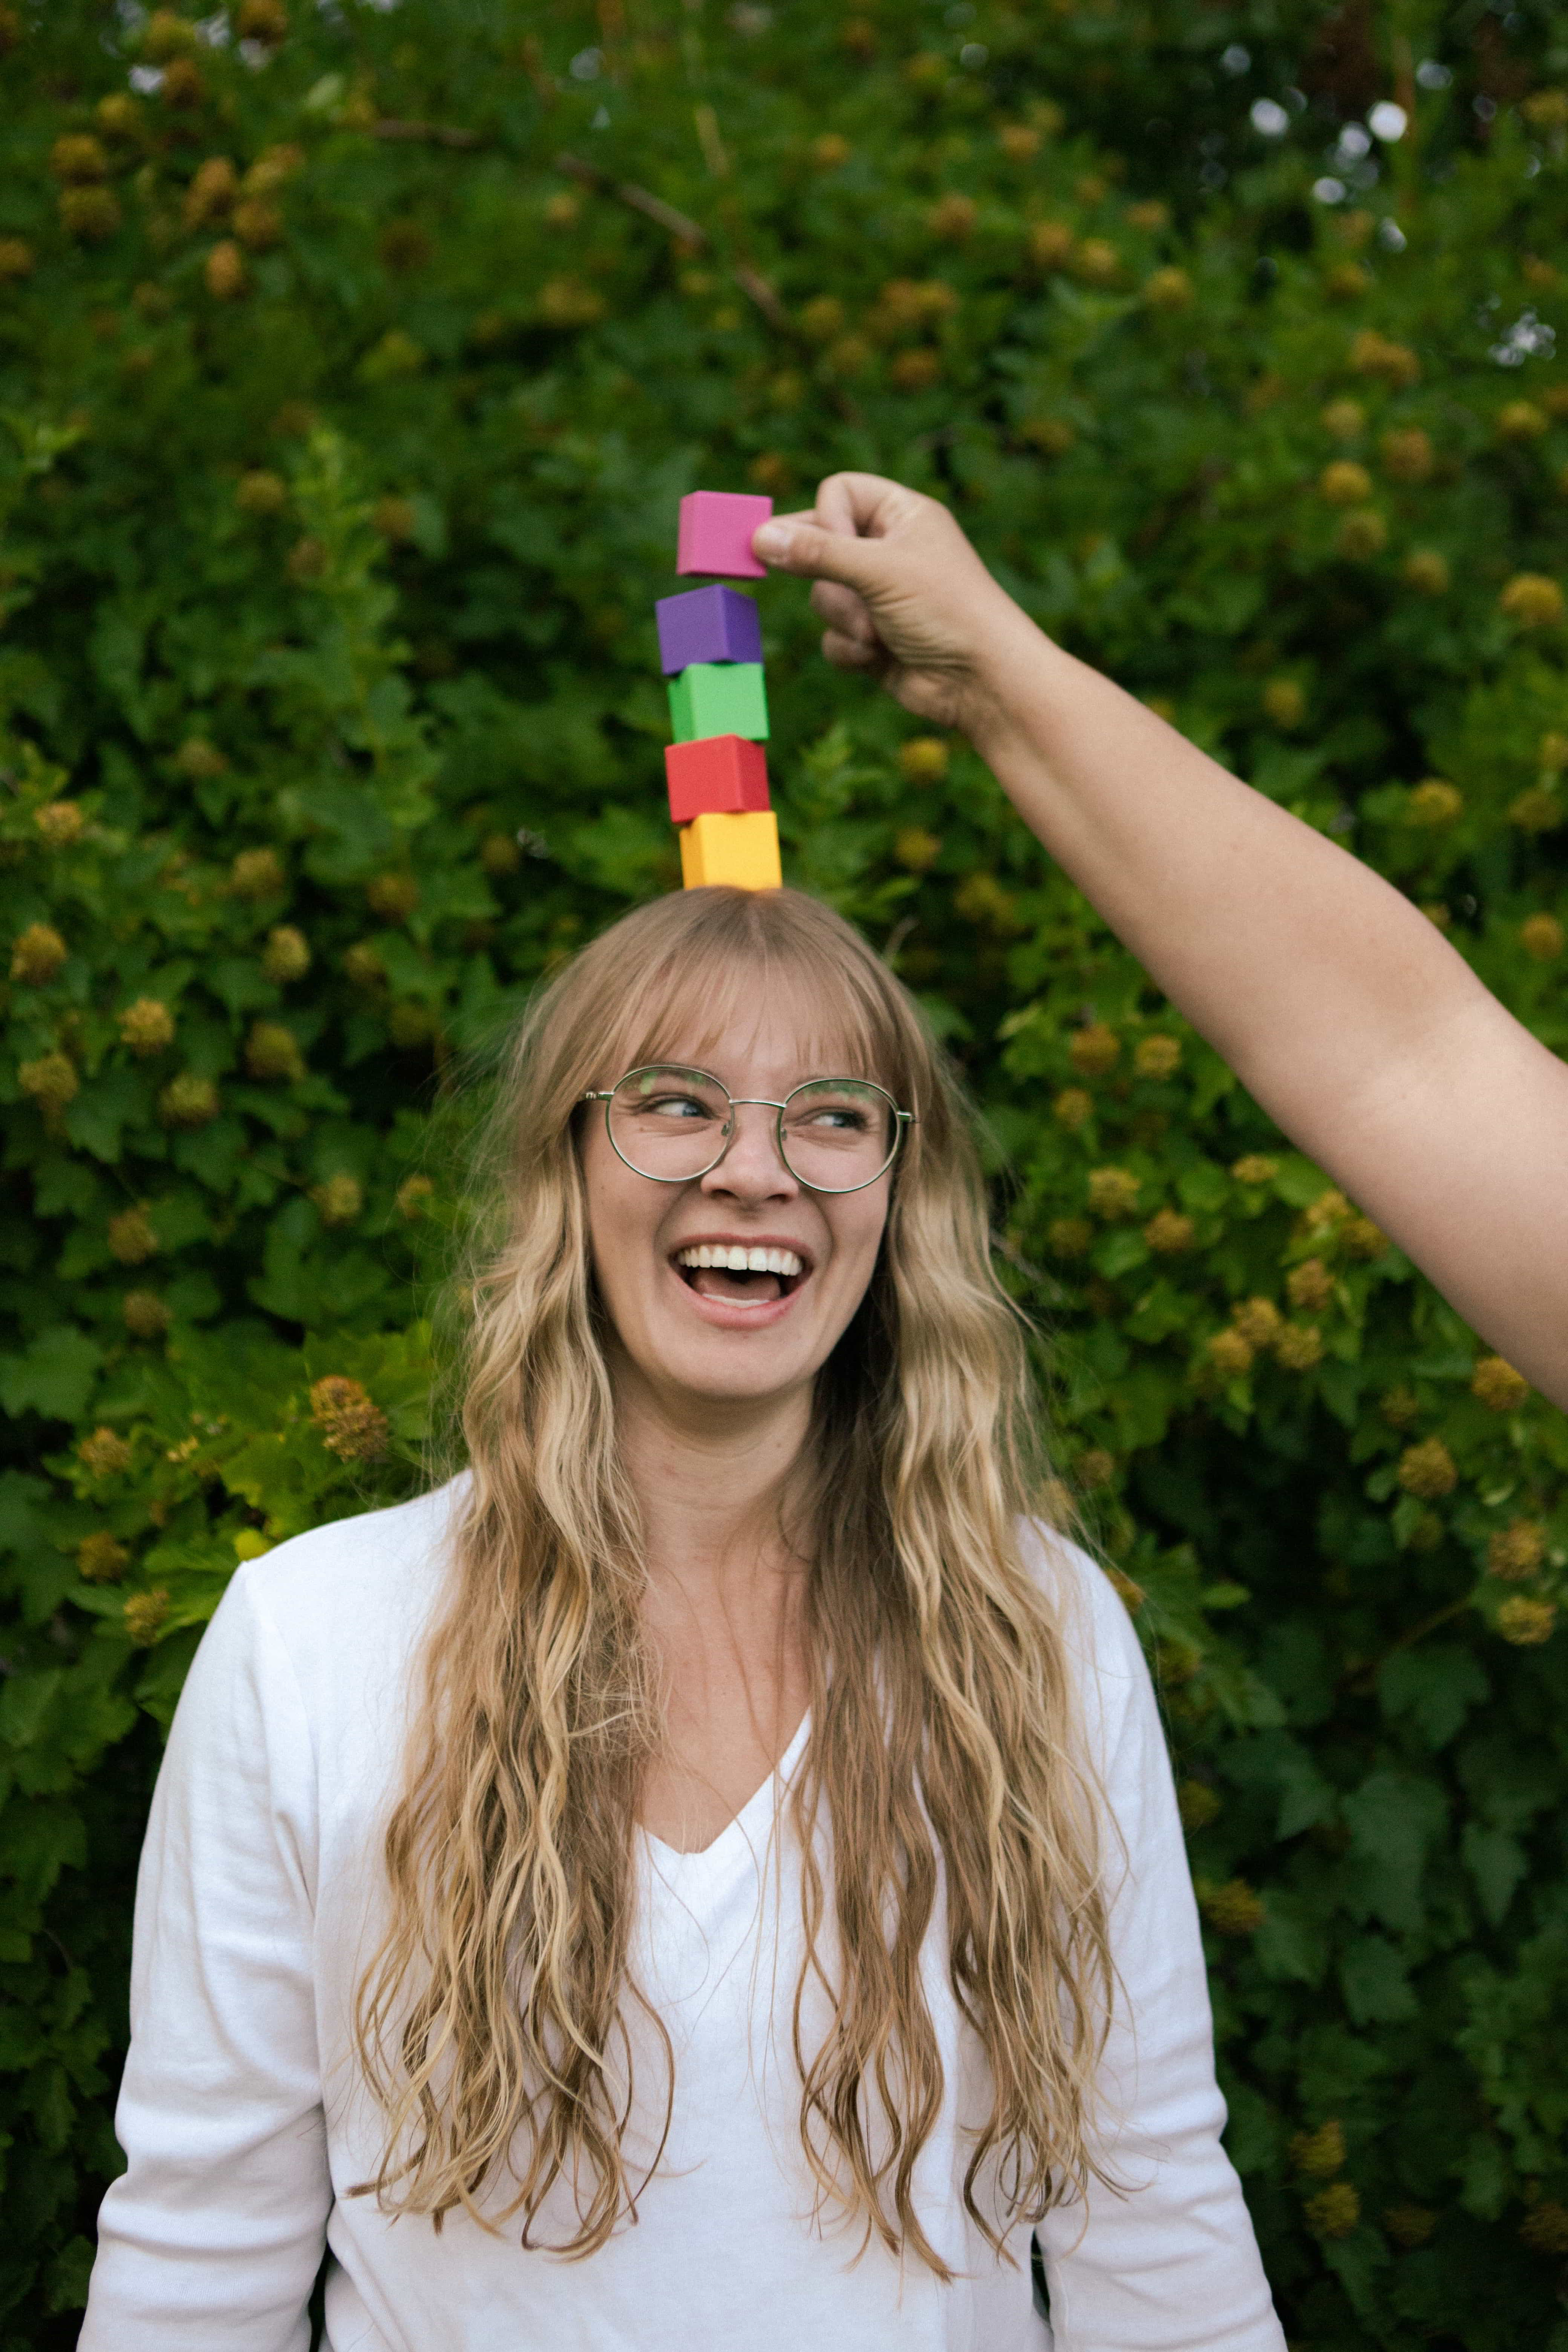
x=752 y=1163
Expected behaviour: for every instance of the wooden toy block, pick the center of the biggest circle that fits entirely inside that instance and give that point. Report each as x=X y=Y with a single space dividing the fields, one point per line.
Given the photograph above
x=740 y=850
x=715 y=535
x=719 y=699
x=707 y=625
x=722 y=774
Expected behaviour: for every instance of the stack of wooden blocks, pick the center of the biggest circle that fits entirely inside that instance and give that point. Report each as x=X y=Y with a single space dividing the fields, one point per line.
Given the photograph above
x=710 y=649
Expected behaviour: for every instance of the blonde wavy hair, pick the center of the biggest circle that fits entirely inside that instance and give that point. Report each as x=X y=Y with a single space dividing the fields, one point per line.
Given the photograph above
x=485 y=2019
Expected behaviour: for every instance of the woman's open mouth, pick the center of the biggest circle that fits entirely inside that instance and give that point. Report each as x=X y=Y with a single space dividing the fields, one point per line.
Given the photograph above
x=738 y=1272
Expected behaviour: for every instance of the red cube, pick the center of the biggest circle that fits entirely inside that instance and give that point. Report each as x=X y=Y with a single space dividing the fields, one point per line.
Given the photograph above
x=716 y=776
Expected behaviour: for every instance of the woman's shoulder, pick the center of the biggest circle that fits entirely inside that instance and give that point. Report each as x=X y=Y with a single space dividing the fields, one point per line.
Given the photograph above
x=352 y=1592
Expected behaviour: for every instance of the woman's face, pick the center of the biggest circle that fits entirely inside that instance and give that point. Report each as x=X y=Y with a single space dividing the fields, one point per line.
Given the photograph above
x=698 y=1335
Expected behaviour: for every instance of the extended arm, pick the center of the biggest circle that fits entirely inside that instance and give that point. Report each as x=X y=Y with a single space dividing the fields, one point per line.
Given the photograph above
x=1344 y=1011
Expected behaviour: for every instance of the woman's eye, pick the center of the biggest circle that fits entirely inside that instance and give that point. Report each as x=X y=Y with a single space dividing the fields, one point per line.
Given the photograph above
x=677 y=1107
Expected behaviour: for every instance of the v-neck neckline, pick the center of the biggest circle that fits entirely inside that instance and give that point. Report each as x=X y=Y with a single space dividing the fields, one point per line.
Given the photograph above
x=738 y=1824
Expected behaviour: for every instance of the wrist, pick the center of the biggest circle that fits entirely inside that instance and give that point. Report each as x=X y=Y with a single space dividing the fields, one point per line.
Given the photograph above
x=1013 y=683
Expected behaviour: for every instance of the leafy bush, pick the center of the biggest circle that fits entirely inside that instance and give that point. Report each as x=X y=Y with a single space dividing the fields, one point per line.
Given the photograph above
x=351 y=363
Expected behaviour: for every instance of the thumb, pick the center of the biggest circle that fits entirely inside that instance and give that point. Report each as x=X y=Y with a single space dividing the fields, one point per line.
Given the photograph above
x=796 y=543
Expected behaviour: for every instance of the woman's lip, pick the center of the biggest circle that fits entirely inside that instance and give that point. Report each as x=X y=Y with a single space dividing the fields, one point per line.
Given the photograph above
x=736 y=1314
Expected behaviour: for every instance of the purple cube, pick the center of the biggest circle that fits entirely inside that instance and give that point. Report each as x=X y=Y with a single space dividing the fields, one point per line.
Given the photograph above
x=707 y=625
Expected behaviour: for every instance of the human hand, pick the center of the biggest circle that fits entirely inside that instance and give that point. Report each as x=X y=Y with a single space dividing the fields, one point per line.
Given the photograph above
x=903 y=594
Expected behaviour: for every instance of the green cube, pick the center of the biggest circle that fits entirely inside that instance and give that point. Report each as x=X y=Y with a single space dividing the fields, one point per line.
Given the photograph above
x=719 y=699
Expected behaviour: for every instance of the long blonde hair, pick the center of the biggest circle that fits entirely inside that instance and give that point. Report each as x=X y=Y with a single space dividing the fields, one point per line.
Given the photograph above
x=486 y=2020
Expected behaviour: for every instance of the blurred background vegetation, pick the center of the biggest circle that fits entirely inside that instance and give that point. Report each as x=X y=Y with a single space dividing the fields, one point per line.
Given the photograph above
x=352 y=359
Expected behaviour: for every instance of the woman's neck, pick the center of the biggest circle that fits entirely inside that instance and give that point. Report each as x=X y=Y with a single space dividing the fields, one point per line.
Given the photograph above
x=710 y=1477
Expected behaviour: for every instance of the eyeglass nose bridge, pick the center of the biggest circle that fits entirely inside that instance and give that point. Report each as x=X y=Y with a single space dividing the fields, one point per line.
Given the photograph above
x=732 y=1129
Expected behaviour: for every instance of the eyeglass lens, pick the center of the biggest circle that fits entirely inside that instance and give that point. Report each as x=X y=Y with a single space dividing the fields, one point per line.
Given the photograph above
x=673 y=1123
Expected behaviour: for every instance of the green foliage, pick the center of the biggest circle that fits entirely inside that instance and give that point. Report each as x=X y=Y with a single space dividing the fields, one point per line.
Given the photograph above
x=349 y=376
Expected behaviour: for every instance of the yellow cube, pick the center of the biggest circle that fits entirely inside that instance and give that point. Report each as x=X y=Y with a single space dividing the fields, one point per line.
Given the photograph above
x=742 y=850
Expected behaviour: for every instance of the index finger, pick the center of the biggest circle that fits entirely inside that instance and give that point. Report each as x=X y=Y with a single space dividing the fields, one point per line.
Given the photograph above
x=867 y=506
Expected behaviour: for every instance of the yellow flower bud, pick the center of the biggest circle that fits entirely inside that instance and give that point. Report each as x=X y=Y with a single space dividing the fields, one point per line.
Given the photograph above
x=1409 y=2225
x=104 y=1454
x=1097 y=263
x=1197 y=1803
x=188 y=1102
x=1359 y=1238
x=1516 y=1550
x=1536 y=811
x=1095 y=1051
x=146 y=1614
x=90 y=215
x=1343 y=420
x=272 y=1051
x=211 y=192
x=225 y=271
x=101 y=1558
x=1072 y=1108
x=257 y=874
x=1112 y=1194
x=1428 y=1470
x=15 y=259
x=1399 y=1407
x=1344 y=483
x=51 y=1081
x=1541 y=936
x=1051 y=243
x=915 y=849
x=1426 y=570
x=1407 y=454
x=1230 y=1353
x=287 y=955
x=1259 y=1321
x=1361 y=535
x=1052 y=435
x=915 y=371
x=1235 y=1909
x=1532 y=600
x=249 y=1543
x=147 y=1316
x=147 y=1027
x=1298 y=1347
x=954 y=217
x=132 y=1238
x=37 y=954
x=1255 y=1167
x=1374 y=354
x=78 y=159
x=1168 y=289
x=1525 y=1621
x=1069 y=1237
x=339 y=1199
x=830 y=150
x=411 y=1195
x=1496 y=1384
x=363 y=965
x=1310 y=1286
x=392 y=897
x=266 y=21
x=923 y=760
x=1434 y=804
x=1520 y=420
x=1159 y=1056
x=1168 y=1233
x=1334 y=2211
x=1285 y=702
x=352 y=1426
x=1321 y=2153
x=1095 y=1468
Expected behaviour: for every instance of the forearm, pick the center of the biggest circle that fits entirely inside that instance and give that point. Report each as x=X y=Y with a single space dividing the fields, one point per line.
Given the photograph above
x=1315 y=978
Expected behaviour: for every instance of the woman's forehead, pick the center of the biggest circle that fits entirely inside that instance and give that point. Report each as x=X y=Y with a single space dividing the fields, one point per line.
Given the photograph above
x=734 y=1022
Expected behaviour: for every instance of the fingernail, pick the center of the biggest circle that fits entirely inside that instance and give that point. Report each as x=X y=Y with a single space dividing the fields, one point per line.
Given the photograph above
x=774 y=540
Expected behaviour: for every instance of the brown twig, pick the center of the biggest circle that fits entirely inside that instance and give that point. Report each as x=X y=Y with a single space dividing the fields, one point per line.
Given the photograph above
x=1363 y=1680
x=439 y=134
x=685 y=231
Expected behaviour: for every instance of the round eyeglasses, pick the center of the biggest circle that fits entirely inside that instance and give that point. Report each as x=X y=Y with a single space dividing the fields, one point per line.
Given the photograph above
x=673 y=1125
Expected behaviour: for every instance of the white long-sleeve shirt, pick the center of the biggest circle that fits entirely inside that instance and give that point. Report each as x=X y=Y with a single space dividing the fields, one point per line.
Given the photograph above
x=245 y=2124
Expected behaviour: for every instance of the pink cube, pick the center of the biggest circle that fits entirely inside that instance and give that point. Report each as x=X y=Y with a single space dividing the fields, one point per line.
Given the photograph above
x=716 y=529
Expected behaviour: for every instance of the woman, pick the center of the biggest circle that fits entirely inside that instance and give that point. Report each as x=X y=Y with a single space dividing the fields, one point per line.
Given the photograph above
x=1348 y=1016
x=710 y=1874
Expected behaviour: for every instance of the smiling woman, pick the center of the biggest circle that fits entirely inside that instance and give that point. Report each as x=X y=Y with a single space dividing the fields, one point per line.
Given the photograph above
x=722 y=1809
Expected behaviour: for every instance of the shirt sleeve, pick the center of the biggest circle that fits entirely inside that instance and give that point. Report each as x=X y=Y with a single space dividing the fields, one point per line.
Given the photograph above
x=214 y=2231
x=1170 y=2264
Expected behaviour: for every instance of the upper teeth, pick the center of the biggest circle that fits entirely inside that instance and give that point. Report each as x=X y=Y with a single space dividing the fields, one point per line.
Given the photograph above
x=731 y=1256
